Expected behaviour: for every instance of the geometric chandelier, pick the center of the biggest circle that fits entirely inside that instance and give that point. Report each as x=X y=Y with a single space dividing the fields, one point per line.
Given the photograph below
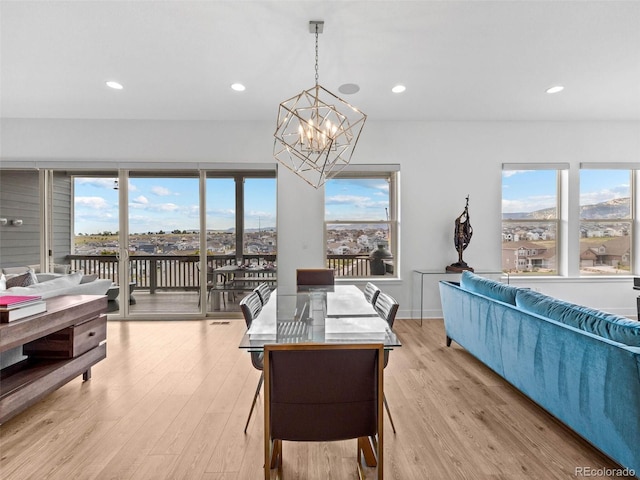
x=317 y=131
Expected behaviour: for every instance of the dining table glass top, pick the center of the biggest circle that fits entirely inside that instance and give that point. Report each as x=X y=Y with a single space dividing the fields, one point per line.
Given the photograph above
x=319 y=314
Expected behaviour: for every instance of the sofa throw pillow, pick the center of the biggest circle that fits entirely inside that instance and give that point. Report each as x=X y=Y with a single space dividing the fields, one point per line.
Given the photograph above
x=607 y=325
x=489 y=288
x=89 y=278
x=3 y=282
x=22 y=280
x=59 y=268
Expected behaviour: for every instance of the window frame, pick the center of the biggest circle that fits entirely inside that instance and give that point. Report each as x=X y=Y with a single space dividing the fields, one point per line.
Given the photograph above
x=560 y=241
x=391 y=174
x=633 y=171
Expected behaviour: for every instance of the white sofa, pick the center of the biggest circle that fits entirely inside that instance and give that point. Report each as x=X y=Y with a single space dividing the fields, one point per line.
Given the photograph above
x=52 y=285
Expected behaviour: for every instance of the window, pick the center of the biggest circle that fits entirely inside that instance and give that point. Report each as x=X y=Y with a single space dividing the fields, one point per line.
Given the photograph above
x=246 y=203
x=605 y=222
x=530 y=221
x=361 y=227
x=259 y=216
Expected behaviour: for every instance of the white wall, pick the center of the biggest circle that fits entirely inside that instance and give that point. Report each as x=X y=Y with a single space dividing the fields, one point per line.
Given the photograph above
x=441 y=163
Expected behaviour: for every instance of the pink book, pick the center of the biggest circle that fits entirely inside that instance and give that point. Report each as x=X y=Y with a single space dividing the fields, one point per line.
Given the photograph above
x=14 y=301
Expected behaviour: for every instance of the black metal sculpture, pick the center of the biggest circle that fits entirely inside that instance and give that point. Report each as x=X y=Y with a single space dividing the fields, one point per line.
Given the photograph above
x=461 y=237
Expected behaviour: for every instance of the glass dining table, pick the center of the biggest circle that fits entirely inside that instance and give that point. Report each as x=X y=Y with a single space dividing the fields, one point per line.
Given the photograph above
x=318 y=314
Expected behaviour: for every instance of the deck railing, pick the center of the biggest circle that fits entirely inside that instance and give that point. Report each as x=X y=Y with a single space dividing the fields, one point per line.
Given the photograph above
x=182 y=272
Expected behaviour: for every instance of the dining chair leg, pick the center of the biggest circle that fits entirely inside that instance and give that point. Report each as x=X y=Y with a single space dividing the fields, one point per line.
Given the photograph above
x=386 y=405
x=255 y=398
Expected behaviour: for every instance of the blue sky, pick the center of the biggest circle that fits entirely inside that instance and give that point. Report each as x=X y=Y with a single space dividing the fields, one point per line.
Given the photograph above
x=172 y=203
x=530 y=190
x=356 y=199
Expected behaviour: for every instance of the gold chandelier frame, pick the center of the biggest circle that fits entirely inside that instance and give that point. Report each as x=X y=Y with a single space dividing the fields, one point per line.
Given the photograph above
x=317 y=131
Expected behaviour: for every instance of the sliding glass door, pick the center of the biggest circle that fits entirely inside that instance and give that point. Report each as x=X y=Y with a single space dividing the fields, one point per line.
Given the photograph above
x=160 y=236
x=163 y=243
x=241 y=235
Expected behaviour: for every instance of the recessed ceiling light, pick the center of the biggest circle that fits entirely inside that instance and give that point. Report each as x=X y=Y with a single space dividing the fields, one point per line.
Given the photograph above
x=349 y=88
x=114 y=85
x=398 y=89
x=238 y=87
x=555 y=89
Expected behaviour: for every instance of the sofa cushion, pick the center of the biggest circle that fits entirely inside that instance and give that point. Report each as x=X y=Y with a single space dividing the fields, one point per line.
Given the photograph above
x=48 y=288
x=607 y=325
x=89 y=278
x=3 y=282
x=489 y=288
x=22 y=280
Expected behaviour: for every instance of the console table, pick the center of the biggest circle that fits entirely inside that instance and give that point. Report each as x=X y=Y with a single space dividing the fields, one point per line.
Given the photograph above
x=434 y=276
x=60 y=344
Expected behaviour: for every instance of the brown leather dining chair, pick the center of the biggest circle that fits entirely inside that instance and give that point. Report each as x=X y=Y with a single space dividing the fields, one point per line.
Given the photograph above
x=251 y=306
x=320 y=393
x=264 y=292
x=314 y=276
x=371 y=293
x=387 y=307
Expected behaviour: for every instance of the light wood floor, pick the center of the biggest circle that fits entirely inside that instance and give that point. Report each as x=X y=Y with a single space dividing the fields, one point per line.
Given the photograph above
x=171 y=400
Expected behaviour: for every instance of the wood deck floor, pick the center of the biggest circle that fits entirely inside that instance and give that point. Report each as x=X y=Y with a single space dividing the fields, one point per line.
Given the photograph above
x=171 y=399
x=173 y=302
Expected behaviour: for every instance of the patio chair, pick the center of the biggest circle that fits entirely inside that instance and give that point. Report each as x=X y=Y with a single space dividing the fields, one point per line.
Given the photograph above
x=387 y=307
x=321 y=393
x=211 y=284
x=251 y=307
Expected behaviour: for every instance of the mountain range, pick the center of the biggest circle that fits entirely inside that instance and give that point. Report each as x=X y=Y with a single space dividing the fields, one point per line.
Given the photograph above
x=611 y=209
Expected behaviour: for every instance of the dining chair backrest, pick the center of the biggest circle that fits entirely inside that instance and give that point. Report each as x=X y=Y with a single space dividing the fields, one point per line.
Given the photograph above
x=387 y=307
x=315 y=276
x=371 y=293
x=264 y=292
x=339 y=401
x=251 y=307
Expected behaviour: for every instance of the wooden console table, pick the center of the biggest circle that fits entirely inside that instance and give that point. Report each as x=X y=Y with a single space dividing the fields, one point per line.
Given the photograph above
x=61 y=343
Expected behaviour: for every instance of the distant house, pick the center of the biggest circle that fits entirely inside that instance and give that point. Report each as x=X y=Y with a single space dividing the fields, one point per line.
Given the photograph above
x=588 y=258
x=146 y=248
x=615 y=252
x=527 y=256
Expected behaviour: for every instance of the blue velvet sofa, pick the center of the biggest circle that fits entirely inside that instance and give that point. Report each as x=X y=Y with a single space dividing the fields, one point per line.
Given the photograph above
x=581 y=365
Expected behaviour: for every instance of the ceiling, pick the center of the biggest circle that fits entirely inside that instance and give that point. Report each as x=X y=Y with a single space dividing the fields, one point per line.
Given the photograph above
x=460 y=60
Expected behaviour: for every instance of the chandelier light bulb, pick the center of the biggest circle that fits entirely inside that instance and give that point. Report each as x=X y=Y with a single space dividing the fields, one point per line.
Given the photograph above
x=114 y=85
x=555 y=89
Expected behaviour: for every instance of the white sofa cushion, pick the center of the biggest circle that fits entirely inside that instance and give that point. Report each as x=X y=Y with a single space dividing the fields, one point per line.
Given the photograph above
x=47 y=289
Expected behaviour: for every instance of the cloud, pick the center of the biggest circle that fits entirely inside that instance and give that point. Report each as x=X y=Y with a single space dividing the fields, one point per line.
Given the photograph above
x=160 y=191
x=529 y=204
x=96 y=182
x=591 y=198
x=92 y=202
x=356 y=201
x=221 y=212
x=511 y=173
x=141 y=200
x=165 y=207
